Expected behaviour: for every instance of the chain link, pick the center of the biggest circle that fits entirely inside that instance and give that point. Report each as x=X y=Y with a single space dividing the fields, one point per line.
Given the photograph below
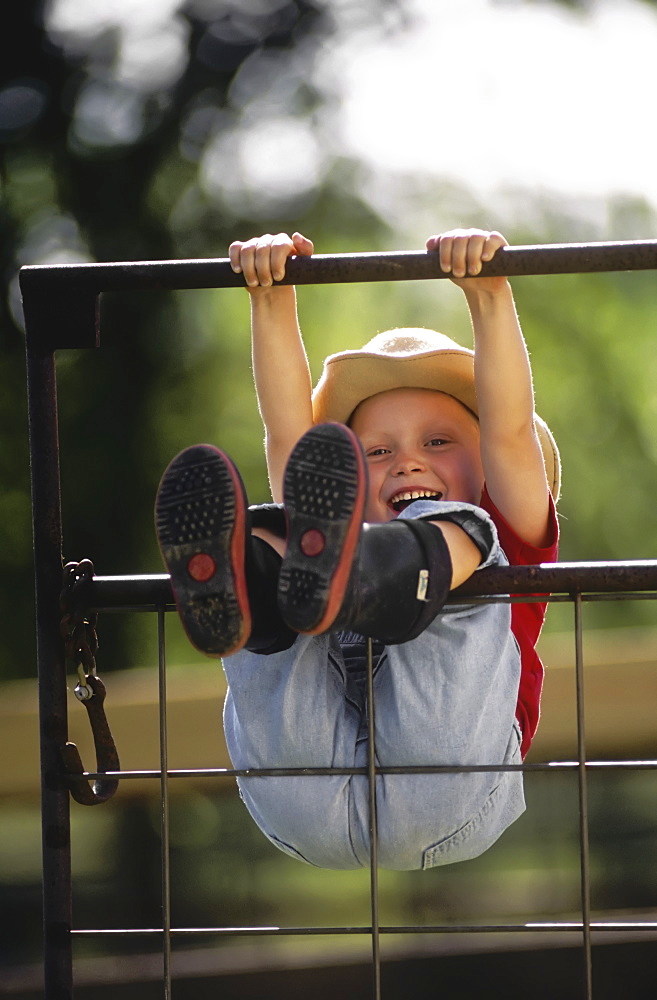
x=78 y=625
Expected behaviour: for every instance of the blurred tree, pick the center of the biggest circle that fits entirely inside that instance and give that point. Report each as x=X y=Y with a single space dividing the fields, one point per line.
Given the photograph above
x=156 y=130
x=146 y=131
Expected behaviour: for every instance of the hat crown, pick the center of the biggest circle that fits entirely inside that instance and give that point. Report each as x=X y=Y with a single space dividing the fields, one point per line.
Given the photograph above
x=410 y=340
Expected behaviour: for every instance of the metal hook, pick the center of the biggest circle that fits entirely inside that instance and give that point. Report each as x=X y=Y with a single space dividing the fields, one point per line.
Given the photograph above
x=78 y=629
x=107 y=758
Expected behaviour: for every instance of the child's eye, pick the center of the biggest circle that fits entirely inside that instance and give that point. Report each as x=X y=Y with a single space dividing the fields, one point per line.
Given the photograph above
x=435 y=442
x=376 y=452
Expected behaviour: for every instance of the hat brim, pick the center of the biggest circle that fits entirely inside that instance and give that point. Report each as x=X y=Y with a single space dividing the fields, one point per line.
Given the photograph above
x=352 y=376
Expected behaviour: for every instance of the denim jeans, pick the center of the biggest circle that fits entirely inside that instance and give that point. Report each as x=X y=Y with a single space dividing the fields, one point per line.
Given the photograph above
x=447 y=697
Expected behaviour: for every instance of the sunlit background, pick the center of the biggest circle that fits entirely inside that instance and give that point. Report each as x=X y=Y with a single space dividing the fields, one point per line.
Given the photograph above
x=135 y=130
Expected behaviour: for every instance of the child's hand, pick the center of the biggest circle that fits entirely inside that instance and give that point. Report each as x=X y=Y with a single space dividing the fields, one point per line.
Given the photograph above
x=463 y=251
x=262 y=260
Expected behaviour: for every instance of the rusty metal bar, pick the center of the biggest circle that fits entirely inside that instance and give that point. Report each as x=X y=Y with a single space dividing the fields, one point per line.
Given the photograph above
x=289 y=772
x=165 y=840
x=400 y=265
x=584 y=860
x=634 y=576
x=540 y=927
x=71 y=291
x=564 y=578
x=374 y=833
x=53 y=720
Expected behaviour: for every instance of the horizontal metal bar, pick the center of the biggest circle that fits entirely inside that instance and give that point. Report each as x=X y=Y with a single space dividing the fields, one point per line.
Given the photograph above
x=60 y=301
x=567 y=598
x=557 y=258
x=150 y=591
x=296 y=772
x=154 y=590
x=538 y=928
x=572 y=577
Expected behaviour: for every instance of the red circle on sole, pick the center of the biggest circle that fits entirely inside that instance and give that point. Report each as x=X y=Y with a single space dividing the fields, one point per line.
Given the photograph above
x=312 y=542
x=201 y=567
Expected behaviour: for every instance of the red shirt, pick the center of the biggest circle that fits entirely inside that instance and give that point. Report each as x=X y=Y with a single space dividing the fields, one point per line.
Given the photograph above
x=526 y=619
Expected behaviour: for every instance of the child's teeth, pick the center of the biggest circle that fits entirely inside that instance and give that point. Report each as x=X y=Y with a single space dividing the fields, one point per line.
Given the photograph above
x=414 y=495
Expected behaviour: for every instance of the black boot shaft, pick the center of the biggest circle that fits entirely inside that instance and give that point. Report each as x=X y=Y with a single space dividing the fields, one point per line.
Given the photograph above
x=399 y=581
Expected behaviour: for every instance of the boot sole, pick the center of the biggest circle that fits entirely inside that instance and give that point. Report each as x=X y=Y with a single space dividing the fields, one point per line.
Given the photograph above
x=200 y=520
x=325 y=488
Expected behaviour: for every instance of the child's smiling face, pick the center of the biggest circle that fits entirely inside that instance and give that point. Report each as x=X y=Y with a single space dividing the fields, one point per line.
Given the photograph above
x=417 y=441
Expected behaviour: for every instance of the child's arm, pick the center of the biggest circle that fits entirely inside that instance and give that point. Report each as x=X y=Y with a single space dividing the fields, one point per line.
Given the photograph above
x=510 y=449
x=280 y=366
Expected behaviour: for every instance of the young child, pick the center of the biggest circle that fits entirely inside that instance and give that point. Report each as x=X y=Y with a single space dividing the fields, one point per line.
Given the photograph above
x=413 y=463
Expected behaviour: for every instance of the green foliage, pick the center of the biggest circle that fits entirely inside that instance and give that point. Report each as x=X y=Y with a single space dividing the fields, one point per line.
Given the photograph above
x=590 y=338
x=93 y=168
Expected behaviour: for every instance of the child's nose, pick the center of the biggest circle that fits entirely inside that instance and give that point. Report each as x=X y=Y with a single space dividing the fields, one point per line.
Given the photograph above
x=409 y=463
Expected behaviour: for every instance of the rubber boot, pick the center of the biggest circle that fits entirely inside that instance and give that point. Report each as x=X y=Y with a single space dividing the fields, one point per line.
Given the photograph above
x=224 y=581
x=269 y=633
x=387 y=581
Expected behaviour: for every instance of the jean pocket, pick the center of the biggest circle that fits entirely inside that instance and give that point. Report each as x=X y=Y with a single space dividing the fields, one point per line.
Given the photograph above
x=502 y=807
x=472 y=839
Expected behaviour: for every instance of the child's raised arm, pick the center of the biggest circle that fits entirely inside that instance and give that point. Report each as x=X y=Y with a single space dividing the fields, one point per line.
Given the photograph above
x=280 y=367
x=510 y=449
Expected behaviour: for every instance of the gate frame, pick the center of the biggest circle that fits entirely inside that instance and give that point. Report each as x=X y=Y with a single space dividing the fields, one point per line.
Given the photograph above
x=61 y=309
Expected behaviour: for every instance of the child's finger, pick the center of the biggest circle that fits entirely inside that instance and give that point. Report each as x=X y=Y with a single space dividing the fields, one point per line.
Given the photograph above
x=281 y=248
x=248 y=262
x=234 y=251
x=460 y=242
x=444 y=246
x=263 y=260
x=474 y=250
x=302 y=245
x=493 y=242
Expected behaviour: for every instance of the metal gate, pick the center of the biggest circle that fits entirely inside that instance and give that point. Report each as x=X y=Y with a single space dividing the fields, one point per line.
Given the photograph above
x=61 y=312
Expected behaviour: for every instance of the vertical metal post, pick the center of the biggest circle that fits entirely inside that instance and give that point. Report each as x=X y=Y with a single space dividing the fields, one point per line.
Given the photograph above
x=55 y=813
x=164 y=815
x=374 y=850
x=583 y=802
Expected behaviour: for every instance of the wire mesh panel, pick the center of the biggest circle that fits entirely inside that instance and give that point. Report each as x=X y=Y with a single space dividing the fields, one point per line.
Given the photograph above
x=70 y=294
x=563 y=579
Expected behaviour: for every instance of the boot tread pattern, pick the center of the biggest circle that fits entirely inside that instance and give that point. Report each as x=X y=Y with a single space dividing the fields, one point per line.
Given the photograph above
x=324 y=492
x=327 y=494
x=199 y=509
x=195 y=503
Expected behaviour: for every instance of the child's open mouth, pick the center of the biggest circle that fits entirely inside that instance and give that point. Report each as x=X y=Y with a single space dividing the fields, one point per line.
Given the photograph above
x=401 y=500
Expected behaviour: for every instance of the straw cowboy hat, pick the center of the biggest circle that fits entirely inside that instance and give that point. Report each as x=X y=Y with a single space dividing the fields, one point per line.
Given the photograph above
x=415 y=359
